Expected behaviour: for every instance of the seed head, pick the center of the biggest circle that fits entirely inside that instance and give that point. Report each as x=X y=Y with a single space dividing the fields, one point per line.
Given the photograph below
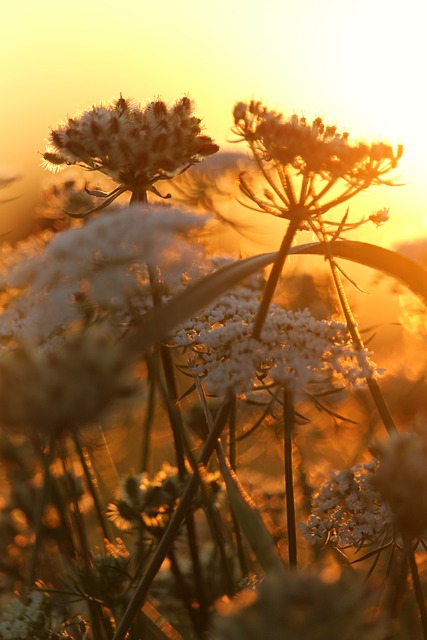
x=134 y=145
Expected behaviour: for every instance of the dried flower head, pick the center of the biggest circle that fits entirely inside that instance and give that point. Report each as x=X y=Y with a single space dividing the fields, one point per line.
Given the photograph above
x=150 y=502
x=64 y=388
x=133 y=145
x=380 y=217
x=347 y=511
x=301 y=606
x=287 y=149
x=401 y=479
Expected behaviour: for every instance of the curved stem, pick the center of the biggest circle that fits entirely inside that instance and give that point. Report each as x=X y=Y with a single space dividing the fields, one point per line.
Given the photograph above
x=373 y=386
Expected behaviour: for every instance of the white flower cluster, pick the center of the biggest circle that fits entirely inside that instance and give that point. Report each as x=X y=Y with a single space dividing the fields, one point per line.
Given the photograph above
x=30 y=620
x=97 y=269
x=294 y=348
x=299 y=605
x=134 y=145
x=347 y=511
x=63 y=388
x=401 y=480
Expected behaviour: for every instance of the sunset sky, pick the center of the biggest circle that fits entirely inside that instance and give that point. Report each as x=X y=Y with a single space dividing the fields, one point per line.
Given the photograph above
x=355 y=63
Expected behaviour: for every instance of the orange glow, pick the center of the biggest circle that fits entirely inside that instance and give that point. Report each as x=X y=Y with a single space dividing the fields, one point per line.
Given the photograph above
x=356 y=64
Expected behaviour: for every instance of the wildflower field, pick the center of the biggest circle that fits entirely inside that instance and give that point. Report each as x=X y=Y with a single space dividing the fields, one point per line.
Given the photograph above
x=202 y=444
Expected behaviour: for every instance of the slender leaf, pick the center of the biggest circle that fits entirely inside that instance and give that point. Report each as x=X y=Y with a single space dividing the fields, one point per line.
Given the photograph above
x=204 y=291
x=249 y=518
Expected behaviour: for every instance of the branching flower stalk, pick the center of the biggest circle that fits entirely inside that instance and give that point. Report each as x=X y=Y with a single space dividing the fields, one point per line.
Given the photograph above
x=290 y=152
x=137 y=147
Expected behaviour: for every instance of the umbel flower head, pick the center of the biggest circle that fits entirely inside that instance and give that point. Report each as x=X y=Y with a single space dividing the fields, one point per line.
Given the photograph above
x=295 y=349
x=64 y=388
x=347 y=511
x=135 y=146
x=302 y=606
x=317 y=153
x=401 y=479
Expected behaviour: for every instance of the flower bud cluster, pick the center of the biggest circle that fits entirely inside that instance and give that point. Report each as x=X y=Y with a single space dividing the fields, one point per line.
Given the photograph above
x=133 y=145
x=312 y=148
x=65 y=388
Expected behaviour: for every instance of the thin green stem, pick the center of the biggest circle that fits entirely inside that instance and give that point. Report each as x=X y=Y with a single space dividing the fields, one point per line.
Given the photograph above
x=149 y=415
x=373 y=386
x=173 y=526
x=232 y=435
x=92 y=484
x=233 y=462
x=138 y=196
x=419 y=595
x=38 y=519
x=289 y=425
x=274 y=276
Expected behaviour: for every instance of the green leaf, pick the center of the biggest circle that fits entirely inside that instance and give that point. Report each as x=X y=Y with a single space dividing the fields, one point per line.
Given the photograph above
x=198 y=295
x=409 y=272
x=154 y=329
x=249 y=519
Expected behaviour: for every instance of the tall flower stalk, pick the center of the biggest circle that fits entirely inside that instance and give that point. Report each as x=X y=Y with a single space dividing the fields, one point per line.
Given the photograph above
x=308 y=169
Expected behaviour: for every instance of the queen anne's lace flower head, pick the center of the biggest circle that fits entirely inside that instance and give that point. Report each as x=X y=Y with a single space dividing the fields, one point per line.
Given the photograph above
x=94 y=270
x=134 y=145
x=302 y=606
x=312 y=148
x=63 y=389
x=402 y=481
x=347 y=511
x=28 y=619
x=294 y=349
x=290 y=149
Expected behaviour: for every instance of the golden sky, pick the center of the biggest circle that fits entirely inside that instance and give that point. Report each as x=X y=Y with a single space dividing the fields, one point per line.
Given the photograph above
x=358 y=64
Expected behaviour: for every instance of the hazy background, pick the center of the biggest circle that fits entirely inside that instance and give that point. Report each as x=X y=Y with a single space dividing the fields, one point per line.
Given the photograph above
x=359 y=64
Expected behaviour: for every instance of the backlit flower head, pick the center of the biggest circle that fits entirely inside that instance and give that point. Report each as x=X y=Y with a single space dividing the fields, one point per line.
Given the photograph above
x=401 y=479
x=301 y=606
x=95 y=270
x=294 y=350
x=380 y=217
x=348 y=511
x=63 y=389
x=133 y=145
x=315 y=153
